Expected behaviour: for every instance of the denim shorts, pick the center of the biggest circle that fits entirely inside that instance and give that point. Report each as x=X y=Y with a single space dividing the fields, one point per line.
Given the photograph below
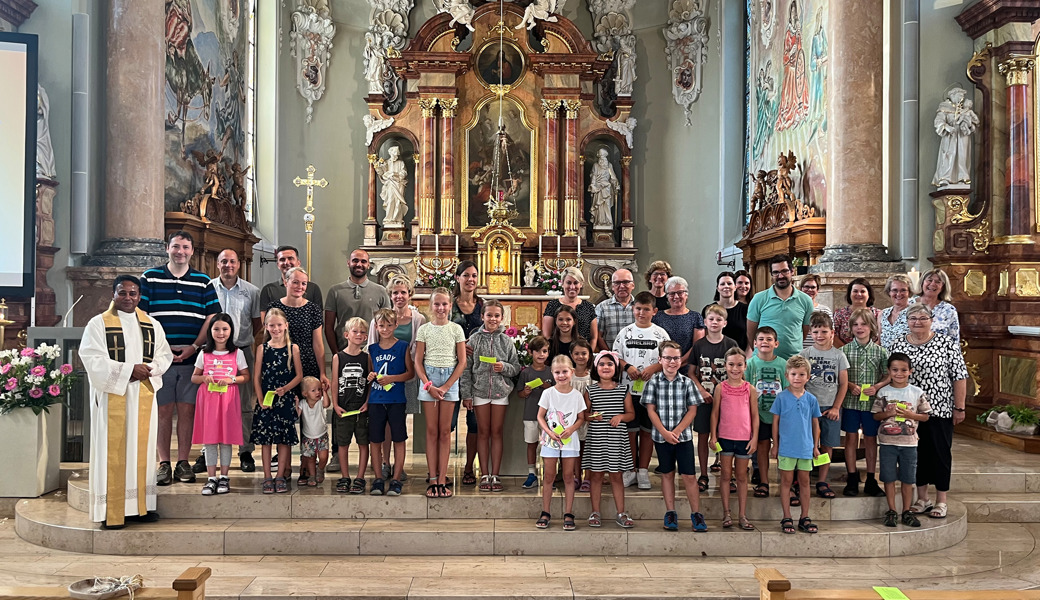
x=675 y=456
x=830 y=431
x=736 y=448
x=438 y=375
x=854 y=420
x=898 y=463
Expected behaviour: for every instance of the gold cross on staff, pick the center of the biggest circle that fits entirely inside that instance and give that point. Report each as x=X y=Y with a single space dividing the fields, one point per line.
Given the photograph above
x=308 y=217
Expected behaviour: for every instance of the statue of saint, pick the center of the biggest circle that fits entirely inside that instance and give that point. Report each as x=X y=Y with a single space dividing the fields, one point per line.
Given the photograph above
x=395 y=178
x=955 y=122
x=374 y=61
x=626 y=65
x=44 y=150
x=603 y=186
x=530 y=270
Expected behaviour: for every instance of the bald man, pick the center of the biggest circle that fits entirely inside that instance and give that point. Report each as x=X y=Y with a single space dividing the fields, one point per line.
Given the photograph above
x=615 y=313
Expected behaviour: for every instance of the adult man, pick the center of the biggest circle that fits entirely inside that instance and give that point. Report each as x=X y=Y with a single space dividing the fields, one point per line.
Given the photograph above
x=288 y=257
x=125 y=353
x=615 y=313
x=355 y=297
x=781 y=307
x=182 y=300
x=241 y=300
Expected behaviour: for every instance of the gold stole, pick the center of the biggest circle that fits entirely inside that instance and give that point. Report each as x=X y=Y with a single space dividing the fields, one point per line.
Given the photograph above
x=116 y=482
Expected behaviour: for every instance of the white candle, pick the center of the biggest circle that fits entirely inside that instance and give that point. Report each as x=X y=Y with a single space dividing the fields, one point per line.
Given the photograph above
x=579 y=246
x=539 y=246
x=557 y=246
x=418 y=239
x=456 y=245
x=437 y=244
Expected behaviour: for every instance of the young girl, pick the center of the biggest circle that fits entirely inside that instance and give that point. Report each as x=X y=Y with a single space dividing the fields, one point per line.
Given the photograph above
x=219 y=369
x=606 y=448
x=563 y=332
x=314 y=429
x=486 y=384
x=533 y=380
x=277 y=369
x=734 y=427
x=561 y=412
x=581 y=353
x=440 y=359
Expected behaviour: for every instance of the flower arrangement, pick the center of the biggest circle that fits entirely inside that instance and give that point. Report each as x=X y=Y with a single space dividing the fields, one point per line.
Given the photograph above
x=435 y=278
x=521 y=336
x=549 y=280
x=33 y=378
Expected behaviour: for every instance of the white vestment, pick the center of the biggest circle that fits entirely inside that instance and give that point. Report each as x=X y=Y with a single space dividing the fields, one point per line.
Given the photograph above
x=110 y=377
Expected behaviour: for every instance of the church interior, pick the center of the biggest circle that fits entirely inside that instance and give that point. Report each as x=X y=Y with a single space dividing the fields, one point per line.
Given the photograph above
x=864 y=139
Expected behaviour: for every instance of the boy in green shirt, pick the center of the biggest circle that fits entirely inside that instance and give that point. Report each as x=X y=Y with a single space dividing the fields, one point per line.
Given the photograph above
x=765 y=371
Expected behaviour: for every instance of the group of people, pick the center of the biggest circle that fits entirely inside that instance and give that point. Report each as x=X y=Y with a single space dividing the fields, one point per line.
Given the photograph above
x=609 y=385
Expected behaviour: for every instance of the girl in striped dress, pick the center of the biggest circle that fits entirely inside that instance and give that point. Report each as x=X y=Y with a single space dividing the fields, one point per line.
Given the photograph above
x=606 y=443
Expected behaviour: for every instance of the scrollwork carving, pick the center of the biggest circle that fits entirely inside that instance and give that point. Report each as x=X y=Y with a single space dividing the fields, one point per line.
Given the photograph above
x=686 y=46
x=311 y=45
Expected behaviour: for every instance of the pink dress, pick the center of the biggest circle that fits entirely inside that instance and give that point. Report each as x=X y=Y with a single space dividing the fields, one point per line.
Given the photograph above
x=218 y=415
x=735 y=412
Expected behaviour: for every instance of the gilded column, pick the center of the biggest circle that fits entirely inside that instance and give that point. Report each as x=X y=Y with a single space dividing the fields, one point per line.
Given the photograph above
x=571 y=191
x=429 y=160
x=1018 y=171
x=448 y=108
x=550 y=202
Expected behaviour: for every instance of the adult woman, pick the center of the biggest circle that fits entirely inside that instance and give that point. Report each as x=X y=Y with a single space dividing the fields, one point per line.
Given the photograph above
x=893 y=319
x=656 y=276
x=858 y=294
x=736 y=311
x=744 y=285
x=466 y=311
x=587 y=324
x=935 y=294
x=810 y=285
x=305 y=324
x=682 y=324
x=937 y=367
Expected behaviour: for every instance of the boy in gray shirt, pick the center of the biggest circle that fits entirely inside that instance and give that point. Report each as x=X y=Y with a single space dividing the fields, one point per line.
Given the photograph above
x=828 y=381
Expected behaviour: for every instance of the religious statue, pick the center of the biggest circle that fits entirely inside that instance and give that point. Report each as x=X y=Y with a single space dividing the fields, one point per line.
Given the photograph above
x=794 y=92
x=394 y=176
x=625 y=128
x=461 y=12
x=603 y=186
x=955 y=122
x=784 y=186
x=539 y=9
x=758 y=196
x=626 y=65
x=44 y=150
x=374 y=60
x=530 y=271
x=374 y=125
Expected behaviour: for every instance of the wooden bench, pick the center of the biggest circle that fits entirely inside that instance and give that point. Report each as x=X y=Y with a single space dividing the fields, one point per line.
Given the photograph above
x=191 y=585
x=774 y=586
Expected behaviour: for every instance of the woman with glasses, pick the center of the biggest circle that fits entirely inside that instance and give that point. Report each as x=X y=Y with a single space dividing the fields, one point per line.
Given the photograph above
x=682 y=324
x=935 y=294
x=810 y=285
x=937 y=367
x=726 y=297
x=893 y=319
x=656 y=277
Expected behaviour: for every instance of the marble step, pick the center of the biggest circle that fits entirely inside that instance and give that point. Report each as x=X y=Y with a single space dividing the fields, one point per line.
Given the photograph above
x=52 y=523
x=1001 y=508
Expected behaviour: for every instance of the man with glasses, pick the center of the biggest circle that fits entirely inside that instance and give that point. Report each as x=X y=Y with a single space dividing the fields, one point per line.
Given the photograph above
x=781 y=307
x=615 y=313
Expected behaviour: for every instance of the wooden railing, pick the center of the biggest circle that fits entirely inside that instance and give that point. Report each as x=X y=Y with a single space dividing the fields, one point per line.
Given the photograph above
x=774 y=586
x=191 y=585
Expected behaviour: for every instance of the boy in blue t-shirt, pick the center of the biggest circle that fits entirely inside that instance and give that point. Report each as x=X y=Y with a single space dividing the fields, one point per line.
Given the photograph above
x=796 y=424
x=391 y=368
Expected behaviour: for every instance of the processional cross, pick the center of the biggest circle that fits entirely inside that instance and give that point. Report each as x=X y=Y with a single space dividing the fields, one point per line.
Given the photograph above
x=308 y=217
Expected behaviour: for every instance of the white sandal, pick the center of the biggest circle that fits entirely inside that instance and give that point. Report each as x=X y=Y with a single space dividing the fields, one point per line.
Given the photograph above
x=938 y=511
x=921 y=506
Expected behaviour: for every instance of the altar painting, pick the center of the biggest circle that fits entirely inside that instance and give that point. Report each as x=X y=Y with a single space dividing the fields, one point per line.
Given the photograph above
x=518 y=173
x=788 y=59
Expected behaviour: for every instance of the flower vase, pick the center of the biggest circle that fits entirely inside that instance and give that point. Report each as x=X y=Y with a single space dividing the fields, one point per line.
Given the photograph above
x=553 y=293
x=32 y=452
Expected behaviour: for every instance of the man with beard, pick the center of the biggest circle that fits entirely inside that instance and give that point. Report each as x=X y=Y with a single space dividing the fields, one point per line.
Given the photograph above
x=288 y=257
x=355 y=297
x=781 y=307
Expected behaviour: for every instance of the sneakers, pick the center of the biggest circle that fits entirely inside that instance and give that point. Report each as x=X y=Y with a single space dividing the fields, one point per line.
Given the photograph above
x=164 y=475
x=183 y=473
x=404 y=476
x=395 y=488
x=210 y=488
x=890 y=518
x=333 y=464
x=909 y=519
x=530 y=482
x=200 y=464
x=643 y=479
x=698 y=522
x=223 y=485
x=629 y=478
x=246 y=462
x=671 y=521
x=377 y=488
x=871 y=488
x=386 y=471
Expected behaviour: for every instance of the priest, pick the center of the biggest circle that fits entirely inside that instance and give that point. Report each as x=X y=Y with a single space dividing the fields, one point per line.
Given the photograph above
x=125 y=354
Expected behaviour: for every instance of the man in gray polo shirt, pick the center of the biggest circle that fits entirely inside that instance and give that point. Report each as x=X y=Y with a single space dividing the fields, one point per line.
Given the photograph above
x=355 y=297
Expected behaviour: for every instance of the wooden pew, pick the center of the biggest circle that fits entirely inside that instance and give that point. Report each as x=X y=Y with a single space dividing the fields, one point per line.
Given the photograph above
x=774 y=586
x=191 y=585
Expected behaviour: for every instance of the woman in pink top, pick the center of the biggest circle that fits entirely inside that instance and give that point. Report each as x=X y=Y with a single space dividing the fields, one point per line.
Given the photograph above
x=734 y=431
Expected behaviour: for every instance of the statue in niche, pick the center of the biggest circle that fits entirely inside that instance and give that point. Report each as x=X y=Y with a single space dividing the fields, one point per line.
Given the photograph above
x=603 y=186
x=374 y=61
x=395 y=178
x=955 y=122
x=530 y=271
x=627 y=65
x=44 y=150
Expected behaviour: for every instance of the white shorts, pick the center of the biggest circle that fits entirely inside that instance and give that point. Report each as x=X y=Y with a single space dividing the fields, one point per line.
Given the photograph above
x=495 y=401
x=531 y=431
x=548 y=452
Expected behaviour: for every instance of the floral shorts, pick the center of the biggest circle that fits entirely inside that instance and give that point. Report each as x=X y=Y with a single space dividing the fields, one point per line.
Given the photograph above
x=311 y=448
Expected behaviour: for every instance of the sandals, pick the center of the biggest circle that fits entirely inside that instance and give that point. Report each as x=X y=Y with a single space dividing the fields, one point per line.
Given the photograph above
x=210 y=488
x=303 y=481
x=312 y=482
x=358 y=486
x=938 y=511
x=343 y=485
x=543 y=520
x=746 y=525
x=444 y=491
x=823 y=490
x=320 y=478
x=469 y=478
x=805 y=524
x=432 y=491
x=787 y=525
x=568 y=522
x=496 y=484
x=717 y=465
x=727 y=520
x=702 y=483
x=796 y=491
x=585 y=486
x=623 y=520
x=280 y=485
x=268 y=486
x=921 y=506
x=485 y=483
x=762 y=490
x=733 y=486
x=594 y=520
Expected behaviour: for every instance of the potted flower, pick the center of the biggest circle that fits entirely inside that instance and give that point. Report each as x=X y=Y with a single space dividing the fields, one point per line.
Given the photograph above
x=1012 y=418
x=32 y=380
x=435 y=278
x=550 y=281
x=521 y=336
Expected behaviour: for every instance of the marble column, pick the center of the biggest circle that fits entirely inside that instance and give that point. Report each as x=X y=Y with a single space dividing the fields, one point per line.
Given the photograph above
x=551 y=200
x=429 y=161
x=627 y=227
x=572 y=191
x=1018 y=170
x=448 y=108
x=370 y=218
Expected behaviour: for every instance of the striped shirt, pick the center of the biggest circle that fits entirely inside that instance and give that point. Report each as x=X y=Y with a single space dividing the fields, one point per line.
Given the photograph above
x=180 y=304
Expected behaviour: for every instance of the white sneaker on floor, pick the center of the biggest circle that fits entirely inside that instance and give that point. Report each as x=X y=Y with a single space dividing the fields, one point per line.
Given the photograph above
x=643 y=477
x=629 y=478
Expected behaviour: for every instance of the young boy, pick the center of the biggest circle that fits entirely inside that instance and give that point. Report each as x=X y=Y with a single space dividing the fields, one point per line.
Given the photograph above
x=391 y=367
x=899 y=406
x=528 y=388
x=828 y=382
x=868 y=372
x=637 y=345
x=796 y=424
x=765 y=371
x=671 y=403
x=351 y=366
x=707 y=369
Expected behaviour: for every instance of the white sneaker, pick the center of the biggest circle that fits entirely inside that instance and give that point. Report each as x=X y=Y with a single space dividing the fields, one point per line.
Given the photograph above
x=333 y=464
x=629 y=478
x=643 y=477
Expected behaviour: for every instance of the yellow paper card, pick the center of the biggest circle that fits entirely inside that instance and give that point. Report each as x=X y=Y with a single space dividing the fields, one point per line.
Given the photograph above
x=535 y=383
x=387 y=387
x=351 y=413
x=269 y=399
x=903 y=406
x=217 y=388
x=890 y=593
x=718 y=447
x=488 y=359
x=862 y=396
x=822 y=459
x=637 y=386
x=558 y=430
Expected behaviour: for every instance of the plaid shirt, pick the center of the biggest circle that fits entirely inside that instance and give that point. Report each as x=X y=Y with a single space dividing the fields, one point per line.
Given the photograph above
x=671 y=399
x=867 y=366
x=612 y=317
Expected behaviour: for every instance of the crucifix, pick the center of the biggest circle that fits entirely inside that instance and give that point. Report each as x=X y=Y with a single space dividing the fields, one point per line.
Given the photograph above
x=308 y=217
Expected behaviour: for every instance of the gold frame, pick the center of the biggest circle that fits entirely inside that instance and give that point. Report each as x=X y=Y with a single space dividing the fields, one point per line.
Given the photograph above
x=533 y=200
x=493 y=86
x=1036 y=140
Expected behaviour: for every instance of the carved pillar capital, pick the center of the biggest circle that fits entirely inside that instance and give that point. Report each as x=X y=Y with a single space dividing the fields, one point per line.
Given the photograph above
x=448 y=107
x=428 y=106
x=572 y=107
x=551 y=108
x=1016 y=69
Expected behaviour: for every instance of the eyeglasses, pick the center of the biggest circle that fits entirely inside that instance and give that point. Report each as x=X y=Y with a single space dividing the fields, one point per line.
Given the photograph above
x=625 y=282
x=782 y=272
x=671 y=358
x=811 y=288
x=679 y=293
x=918 y=319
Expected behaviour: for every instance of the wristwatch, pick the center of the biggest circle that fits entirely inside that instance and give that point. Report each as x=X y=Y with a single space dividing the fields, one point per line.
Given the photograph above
x=196 y=347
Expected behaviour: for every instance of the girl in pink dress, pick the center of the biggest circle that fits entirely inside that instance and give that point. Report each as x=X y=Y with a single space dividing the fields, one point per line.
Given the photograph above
x=219 y=368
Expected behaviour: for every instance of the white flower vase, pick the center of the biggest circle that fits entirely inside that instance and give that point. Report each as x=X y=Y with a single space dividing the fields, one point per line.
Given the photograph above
x=32 y=448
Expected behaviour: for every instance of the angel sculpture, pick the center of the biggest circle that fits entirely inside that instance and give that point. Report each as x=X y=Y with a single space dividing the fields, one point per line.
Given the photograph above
x=461 y=11
x=539 y=9
x=374 y=125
